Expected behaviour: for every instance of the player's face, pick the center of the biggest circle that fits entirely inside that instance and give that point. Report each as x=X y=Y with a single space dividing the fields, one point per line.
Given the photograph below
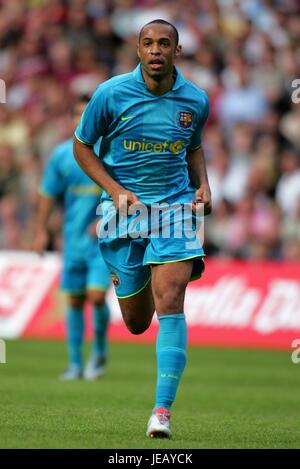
x=157 y=50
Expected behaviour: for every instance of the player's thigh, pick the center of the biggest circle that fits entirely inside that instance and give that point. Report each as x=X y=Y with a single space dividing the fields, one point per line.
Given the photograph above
x=131 y=279
x=124 y=259
x=169 y=283
x=175 y=258
x=137 y=310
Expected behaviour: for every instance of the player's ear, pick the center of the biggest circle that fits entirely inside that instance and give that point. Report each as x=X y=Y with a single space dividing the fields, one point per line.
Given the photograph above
x=178 y=50
x=138 y=51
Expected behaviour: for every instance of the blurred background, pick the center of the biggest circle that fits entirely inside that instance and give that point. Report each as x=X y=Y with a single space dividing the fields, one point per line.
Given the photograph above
x=245 y=54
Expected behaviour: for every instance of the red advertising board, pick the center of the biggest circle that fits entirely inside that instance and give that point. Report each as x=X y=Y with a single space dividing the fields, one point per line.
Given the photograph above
x=235 y=304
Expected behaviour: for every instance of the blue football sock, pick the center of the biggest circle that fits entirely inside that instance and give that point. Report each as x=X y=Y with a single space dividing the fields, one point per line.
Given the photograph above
x=101 y=320
x=171 y=357
x=75 y=334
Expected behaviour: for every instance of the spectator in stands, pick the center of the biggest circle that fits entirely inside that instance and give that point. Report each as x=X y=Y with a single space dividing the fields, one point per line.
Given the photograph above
x=245 y=54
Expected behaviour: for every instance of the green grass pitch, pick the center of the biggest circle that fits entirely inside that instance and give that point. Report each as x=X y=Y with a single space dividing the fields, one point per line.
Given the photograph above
x=227 y=399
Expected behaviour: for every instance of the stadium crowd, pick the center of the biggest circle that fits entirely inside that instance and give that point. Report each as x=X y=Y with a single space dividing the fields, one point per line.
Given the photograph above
x=244 y=53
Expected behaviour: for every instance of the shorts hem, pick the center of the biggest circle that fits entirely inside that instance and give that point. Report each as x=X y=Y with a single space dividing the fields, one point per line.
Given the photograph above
x=175 y=260
x=135 y=293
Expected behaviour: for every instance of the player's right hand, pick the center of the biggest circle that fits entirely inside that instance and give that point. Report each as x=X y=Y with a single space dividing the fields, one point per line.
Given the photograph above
x=123 y=200
x=41 y=242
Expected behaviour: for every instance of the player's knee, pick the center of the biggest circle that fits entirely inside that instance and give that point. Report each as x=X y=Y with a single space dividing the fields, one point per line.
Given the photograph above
x=97 y=298
x=136 y=326
x=170 y=297
x=76 y=301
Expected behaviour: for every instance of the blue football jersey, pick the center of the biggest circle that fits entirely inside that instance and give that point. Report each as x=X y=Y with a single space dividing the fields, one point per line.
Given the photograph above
x=63 y=178
x=144 y=136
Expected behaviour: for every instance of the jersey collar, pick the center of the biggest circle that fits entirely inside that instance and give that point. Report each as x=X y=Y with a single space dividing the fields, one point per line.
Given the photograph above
x=179 y=81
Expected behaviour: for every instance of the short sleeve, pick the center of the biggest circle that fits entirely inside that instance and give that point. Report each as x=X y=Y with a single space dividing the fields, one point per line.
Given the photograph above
x=196 y=139
x=95 y=118
x=53 y=181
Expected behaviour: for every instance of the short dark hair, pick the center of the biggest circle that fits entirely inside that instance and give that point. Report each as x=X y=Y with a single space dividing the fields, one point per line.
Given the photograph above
x=166 y=23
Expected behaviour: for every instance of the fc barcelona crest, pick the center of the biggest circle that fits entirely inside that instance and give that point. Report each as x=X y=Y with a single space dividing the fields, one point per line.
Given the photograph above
x=185 y=119
x=115 y=280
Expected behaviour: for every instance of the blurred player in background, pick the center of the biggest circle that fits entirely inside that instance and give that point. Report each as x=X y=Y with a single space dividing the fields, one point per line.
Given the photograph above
x=151 y=121
x=85 y=275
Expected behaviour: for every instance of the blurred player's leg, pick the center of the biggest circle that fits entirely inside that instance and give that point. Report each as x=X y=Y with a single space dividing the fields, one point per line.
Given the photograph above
x=169 y=282
x=75 y=337
x=97 y=361
x=97 y=284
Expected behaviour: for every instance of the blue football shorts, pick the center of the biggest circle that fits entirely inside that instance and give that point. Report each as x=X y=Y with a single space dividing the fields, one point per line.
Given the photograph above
x=90 y=273
x=156 y=235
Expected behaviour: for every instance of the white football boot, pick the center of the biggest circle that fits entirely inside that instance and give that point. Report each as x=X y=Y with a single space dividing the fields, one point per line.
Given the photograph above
x=71 y=374
x=95 y=367
x=159 y=424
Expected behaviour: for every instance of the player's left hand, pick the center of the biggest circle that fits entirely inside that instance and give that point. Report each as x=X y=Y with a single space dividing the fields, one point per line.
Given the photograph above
x=203 y=196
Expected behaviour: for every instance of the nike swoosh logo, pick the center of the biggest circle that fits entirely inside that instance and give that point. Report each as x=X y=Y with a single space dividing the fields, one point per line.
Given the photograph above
x=126 y=118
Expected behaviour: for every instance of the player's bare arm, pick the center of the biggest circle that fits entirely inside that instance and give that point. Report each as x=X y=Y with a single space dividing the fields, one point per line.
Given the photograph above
x=198 y=177
x=93 y=167
x=41 y=234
